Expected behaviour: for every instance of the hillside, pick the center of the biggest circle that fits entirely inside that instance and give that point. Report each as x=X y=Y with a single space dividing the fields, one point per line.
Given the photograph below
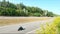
x=10 y=9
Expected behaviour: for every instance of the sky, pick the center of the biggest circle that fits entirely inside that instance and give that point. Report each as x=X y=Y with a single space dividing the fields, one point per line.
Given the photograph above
x=51 y=5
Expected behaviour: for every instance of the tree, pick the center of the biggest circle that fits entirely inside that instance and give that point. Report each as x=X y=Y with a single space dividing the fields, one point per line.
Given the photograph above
x=10 y=9
x=21 y=6
x=4 y=0
x=37 y=14
x=7 y=5
x=34 y=10
x=50 y=14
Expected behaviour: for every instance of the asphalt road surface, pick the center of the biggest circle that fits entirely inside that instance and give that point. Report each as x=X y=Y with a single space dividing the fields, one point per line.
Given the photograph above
x=13 y=29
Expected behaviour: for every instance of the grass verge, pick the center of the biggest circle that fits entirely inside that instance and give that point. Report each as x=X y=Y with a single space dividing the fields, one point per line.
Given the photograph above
x=53 y=28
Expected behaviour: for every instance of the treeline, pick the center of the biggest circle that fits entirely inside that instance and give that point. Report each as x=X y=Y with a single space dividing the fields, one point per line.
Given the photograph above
x=10 y=9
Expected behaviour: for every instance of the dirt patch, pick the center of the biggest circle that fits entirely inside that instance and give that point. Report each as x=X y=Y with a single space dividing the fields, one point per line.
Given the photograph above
x=17 y=20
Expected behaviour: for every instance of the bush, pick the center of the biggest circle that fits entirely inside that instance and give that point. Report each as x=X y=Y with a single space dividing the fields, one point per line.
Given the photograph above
x=53 y=28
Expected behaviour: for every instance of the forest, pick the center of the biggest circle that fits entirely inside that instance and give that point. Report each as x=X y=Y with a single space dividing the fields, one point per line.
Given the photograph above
x=10 y=9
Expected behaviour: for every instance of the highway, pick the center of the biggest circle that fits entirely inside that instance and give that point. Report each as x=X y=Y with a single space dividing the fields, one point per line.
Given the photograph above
x=28 y=27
